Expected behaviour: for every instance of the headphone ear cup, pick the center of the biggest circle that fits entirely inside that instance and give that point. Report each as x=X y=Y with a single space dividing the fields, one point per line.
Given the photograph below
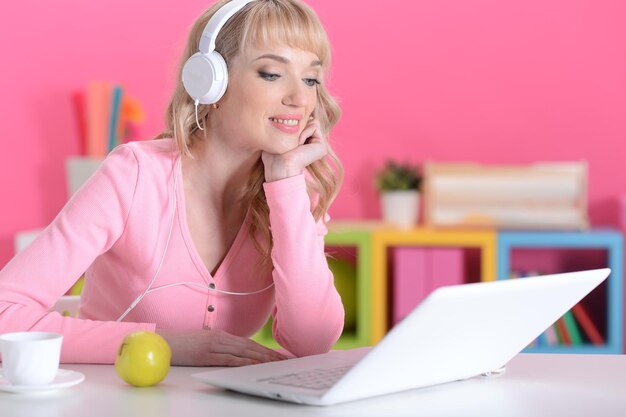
x=205 y=77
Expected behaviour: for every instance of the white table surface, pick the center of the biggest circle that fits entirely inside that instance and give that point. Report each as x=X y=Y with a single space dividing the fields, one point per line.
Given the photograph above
x=533 y=385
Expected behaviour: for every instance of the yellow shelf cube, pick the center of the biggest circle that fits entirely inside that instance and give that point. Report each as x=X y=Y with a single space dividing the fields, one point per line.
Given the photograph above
x=384 y=238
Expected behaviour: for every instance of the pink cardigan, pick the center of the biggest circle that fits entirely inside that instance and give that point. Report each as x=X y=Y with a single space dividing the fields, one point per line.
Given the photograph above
x=115 y=228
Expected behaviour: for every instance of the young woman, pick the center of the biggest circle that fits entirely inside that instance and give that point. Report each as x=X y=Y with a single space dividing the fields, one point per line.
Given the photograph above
x=203 y=233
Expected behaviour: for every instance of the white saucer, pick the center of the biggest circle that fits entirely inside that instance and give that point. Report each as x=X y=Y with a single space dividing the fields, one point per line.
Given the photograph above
x=64 y=379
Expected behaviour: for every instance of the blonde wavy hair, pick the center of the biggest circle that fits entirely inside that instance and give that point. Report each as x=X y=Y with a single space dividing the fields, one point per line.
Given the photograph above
x=261 y=23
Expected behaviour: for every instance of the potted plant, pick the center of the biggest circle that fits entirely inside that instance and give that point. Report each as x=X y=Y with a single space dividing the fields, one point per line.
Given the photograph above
x=399 y=185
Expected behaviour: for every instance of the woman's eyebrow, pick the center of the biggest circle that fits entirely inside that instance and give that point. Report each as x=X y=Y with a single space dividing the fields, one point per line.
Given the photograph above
x=314 y=63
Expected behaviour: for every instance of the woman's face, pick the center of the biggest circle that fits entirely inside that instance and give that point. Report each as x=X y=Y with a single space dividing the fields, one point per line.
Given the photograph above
x=271 y=94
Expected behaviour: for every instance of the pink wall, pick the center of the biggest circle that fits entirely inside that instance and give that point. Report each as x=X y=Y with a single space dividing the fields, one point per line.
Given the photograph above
x=481 y=80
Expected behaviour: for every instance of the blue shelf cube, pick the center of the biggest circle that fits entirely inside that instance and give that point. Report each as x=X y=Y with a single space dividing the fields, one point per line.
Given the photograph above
x=610 y=240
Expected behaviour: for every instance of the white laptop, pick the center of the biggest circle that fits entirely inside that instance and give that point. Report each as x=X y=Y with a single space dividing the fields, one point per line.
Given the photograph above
x=456 y=333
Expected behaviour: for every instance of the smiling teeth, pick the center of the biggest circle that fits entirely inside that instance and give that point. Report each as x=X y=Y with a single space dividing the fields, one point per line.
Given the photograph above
x=288 y=122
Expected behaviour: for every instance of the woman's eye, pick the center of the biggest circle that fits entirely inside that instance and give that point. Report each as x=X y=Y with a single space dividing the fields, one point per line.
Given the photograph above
x=311 y=82
x=268 y=76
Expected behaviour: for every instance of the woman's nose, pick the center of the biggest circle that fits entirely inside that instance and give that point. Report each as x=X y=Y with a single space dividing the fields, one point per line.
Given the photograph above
x=296 y=95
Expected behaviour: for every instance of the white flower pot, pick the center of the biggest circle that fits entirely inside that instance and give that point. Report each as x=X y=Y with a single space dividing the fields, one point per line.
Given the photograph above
x=400 y=208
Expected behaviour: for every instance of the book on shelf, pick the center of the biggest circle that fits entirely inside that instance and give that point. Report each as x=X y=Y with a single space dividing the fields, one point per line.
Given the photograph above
x=447 y=267
x=532 y=196
x=572 y=329
x=540 y=341
x=587 y=324
x=551 y=336
x=563 y=334
x=410 y=282
x=104 y=115
x=98 y=114
x=114 y=138
x=78 y=102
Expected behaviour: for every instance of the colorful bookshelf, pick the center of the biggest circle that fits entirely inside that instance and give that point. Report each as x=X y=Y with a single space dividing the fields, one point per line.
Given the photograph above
x=357 y=237
x=607 y=240
x=384 y=238
x=372 y=249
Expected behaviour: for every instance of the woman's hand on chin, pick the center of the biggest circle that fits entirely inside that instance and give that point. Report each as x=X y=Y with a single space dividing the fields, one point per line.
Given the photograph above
x=312 y=146
x=215 y=348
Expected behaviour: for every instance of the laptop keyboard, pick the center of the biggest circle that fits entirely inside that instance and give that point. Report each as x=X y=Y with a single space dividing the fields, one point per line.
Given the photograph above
x=317 y=379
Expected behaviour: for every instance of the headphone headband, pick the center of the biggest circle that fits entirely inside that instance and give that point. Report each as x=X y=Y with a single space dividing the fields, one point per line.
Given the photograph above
x=213 y=26
x=205 y=74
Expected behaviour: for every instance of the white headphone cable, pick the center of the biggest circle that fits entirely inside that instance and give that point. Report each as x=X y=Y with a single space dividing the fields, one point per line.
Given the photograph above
x=167 y=244
x=195 y=103
x=149 y=288
x=205 y=287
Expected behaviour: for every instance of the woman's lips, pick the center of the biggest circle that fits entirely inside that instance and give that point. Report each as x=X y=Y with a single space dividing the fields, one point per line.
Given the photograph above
x=287 y=124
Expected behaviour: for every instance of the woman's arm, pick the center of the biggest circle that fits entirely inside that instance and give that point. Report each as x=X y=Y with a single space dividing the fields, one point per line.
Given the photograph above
x=308 y=315
x=88 y=226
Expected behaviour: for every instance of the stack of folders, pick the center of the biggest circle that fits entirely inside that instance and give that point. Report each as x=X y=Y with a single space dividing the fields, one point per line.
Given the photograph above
x=575 y=328
x=418 y=271
x=540 y=196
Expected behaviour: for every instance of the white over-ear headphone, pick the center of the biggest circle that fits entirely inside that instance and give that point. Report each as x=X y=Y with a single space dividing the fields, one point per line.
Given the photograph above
x=205 y=75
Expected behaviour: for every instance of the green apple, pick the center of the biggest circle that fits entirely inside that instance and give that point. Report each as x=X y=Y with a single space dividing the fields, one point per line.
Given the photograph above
x=143 y=359
x=78 y=286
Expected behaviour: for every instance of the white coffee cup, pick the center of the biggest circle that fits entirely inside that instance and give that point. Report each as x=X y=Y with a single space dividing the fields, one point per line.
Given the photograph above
x=30 y=358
